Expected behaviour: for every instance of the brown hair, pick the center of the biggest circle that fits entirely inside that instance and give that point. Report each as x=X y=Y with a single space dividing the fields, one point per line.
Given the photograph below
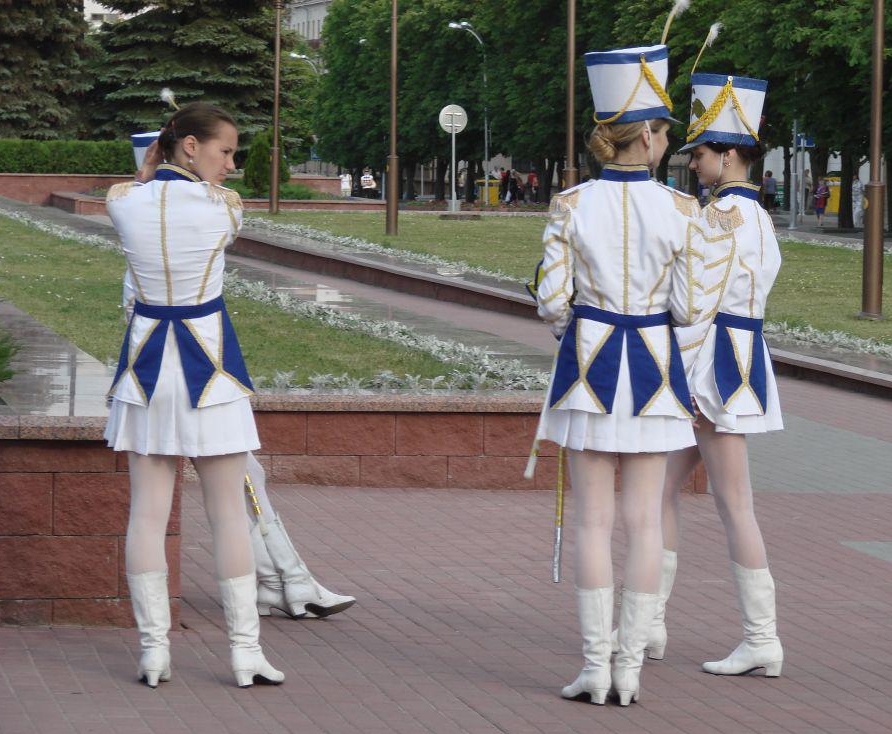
x=749 y=154
x=607 y=140
x=200 y=119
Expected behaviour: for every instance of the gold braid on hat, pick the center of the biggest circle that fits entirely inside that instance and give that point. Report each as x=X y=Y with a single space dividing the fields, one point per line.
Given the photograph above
x=695 y=129
x=646 y=73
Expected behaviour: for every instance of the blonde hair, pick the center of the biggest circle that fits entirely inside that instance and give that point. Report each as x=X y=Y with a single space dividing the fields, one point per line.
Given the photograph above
x=607 y=140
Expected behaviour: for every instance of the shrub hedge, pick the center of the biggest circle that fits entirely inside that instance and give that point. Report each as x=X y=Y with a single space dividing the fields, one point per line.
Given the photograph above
x=8 y=349
x=66 y=156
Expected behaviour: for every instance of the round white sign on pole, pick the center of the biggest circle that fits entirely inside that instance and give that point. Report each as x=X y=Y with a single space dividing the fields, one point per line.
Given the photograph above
x=453 y=119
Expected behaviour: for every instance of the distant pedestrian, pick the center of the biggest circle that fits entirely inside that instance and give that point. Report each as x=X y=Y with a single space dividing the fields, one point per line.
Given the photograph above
x=533 y=185
x=821 y=196
x=769 y=191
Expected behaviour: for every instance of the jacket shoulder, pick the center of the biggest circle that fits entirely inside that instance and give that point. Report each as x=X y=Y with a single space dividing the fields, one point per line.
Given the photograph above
x=684 y=203
x=120 y=190
x=230 y=197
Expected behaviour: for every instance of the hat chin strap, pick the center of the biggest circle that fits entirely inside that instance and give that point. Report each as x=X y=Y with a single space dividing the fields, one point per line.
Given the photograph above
x=718 y=177
x=650 y=145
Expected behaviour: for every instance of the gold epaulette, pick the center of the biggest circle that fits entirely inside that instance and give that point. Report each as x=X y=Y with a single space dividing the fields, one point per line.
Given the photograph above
x=119 y=190
x=221 y=193
x=726 y=220
x=684 y=203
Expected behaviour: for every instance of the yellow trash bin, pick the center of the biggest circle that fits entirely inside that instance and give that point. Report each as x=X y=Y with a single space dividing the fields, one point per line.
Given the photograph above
x=833 y=183
x=493 y=190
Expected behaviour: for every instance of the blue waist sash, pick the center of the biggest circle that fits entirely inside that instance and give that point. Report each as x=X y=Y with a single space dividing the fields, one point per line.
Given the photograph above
x=199 y=367
x=730 y=374
x=602 y=373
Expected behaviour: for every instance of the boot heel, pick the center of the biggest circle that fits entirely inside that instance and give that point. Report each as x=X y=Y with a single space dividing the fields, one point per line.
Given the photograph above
x=244 y=678
x=264 y=610
x=656 y=653
x=627 y=697
x=773 y=670
x=152 y=677
x=599 y=696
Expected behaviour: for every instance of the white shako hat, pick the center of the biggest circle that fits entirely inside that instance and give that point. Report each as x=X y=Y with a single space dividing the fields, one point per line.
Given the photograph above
x=725 y=109
x=629 y=84
x=141 y=142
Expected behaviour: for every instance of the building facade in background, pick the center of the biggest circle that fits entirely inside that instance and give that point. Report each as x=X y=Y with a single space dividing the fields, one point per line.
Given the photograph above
x=96 y=14
x=306 y=17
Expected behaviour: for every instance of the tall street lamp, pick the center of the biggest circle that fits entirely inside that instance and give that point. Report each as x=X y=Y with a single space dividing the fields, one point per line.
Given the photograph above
x=466 y=26
x=872 y=287
x=274 y=163
x=393 y=161
x=571 y=174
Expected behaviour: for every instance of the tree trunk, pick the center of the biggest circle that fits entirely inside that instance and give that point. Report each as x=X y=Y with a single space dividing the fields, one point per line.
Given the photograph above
x=470 y=175
x=788 y=158
x=545 y=181
x=847 y=169
x=408 y=177
x=440 y=180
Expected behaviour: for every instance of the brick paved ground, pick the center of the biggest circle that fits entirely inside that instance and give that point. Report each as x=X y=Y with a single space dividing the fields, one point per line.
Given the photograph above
x=458 y=627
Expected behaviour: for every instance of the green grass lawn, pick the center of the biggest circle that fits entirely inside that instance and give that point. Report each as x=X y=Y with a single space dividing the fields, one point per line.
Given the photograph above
x=75 y=290
x=818 y=286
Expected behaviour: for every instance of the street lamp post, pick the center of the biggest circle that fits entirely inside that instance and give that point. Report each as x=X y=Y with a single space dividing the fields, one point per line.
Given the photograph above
x=466 y=26
x=571 y=173
x=274 y=163
x=872 y=287
x=393 y=161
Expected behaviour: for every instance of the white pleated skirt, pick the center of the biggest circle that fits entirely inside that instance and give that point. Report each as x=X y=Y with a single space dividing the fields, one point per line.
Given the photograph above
x=706 y=393
x=170 y=425
x=619 y=431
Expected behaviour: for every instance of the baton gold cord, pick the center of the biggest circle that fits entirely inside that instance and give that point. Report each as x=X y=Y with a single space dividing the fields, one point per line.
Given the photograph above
x=255 y=505
x=558 y=519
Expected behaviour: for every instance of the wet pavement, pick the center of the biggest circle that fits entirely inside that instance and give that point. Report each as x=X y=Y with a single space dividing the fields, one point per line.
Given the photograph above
x=458 y=627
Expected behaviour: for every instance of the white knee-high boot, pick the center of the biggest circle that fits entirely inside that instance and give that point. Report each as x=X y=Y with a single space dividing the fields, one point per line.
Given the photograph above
x=761 y=647
x=636 y=613
x=657 y=636
x=239 y=597
x=595 y=620
x=151 y=608
x=285 y=582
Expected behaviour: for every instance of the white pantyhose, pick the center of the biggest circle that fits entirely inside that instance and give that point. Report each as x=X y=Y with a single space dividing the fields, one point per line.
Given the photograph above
x=222 y=486
x=678 y=468
x=727 y=464
x=151 y=495
x=641 y=475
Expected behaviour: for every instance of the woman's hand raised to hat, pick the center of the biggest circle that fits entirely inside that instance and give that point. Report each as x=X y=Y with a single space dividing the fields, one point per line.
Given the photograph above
x=153 y=159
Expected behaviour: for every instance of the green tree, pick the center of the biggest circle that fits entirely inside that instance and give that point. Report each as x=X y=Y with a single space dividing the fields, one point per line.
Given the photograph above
x=219 y=51
x=258 y=164
x=42 y=50
x=352 y=110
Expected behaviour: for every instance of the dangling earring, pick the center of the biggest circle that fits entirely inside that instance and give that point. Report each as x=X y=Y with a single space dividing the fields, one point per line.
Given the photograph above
x=191 y=161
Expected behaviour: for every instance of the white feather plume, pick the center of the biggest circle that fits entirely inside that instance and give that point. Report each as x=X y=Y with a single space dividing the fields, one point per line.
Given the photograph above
x=677 y=9
x=710 y=39
x=713 y=32
x=168 y=96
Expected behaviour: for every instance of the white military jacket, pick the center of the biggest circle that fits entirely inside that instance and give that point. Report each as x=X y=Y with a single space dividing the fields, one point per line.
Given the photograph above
x=621 y=261
x=173 y=231
x=725 y=355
